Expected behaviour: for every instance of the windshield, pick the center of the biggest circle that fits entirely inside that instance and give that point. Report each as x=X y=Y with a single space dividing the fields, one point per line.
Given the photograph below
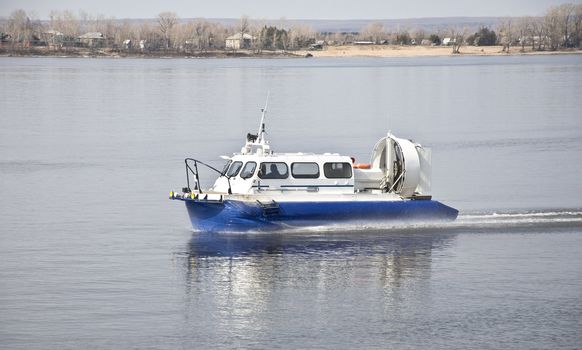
x=234 y=169
x=226 y=166
x=248 y=170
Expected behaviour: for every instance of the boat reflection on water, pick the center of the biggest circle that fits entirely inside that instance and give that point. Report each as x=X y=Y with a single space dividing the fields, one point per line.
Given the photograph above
x=246 y=280
x=395 y=253
x=250 y=282
x=260 y=260
x=405 y=241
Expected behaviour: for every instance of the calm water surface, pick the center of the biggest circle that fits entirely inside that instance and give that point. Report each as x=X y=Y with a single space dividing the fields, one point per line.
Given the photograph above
x=93 y=255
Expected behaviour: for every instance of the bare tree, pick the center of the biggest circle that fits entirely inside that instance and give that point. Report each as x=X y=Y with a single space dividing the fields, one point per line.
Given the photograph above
x=565 y=21
x=65 y=26
x=301 y=36
x=3 y=27
x=552 y=27
x=90 y=22
x=285 y=40
x=147 y=36
x=458 y=38
x=217 y=36
x=21 y=29
x=577 y=24
x=506 y=33
x=418 y=35
x=125 y=31
x=182 y=35
x=243 y=25
x=258 y=34
x=562 y=24
x=523 y=29
x=528 y=25
x=166 y=23
x=202 y=34
x=194 y=35
x=373 y=32
x=538 y=28
x=109 y=27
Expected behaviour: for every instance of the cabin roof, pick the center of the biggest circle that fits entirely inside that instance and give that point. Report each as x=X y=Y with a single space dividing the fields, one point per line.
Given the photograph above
x=92 y=35
x=239 y=36
x=293 y=157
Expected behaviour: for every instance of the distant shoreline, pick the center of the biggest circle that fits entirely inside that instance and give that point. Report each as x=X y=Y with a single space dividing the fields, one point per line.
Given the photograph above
x=428 y=51
x=328 y=52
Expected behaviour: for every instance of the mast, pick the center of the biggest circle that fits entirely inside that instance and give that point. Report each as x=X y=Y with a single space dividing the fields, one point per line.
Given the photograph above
x=257 y=143
x=261 y=133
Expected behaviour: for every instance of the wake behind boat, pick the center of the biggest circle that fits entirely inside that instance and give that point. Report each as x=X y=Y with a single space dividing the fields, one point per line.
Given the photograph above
x=259 y=189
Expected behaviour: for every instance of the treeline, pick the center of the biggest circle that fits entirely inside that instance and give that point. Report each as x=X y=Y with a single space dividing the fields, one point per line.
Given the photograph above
x=559 y=28
x=167 y=33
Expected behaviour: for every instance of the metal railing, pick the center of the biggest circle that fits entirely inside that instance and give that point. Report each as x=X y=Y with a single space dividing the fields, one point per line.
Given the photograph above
x=194 y=171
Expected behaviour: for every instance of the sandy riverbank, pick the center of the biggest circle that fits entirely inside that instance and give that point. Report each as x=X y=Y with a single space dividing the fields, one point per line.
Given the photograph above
x=329 y=51
x=419 y=51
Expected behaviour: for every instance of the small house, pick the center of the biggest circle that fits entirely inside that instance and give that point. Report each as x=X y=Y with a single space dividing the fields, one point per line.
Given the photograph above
x=92 y=39
x=239 y=41
x=54 y=38
x=448 y=41
x=4 y=39
x=316 y=46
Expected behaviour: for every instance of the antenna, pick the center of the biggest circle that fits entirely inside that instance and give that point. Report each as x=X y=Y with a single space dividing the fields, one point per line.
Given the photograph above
x=261 y=133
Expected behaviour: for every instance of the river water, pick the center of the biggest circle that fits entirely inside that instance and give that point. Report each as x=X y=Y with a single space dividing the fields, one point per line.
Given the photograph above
x=94 y=255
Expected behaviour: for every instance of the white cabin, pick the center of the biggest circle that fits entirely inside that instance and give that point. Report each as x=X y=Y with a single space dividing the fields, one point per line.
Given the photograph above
x=286 y=172
x=397 y=166
x=398 y=169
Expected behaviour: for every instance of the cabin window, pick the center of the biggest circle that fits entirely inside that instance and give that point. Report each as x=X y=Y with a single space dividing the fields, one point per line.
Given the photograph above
x=305 y=170
x=234 y=169
x=337 y=170
x=249 y=170
x=273 y=170
x=226 y=166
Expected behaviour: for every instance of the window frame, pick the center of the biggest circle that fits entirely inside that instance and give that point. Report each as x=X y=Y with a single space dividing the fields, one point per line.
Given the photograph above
x=326 y=170
x=261 y=176
x=305 y=176
x=252 y=172
x=226 y=166
x=237 y=171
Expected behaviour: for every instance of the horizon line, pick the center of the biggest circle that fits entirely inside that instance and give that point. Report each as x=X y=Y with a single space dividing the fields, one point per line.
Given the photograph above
x=5 y=17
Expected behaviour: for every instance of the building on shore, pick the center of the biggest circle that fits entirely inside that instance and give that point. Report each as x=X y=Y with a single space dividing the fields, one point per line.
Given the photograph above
x=448 y=42
x=92 y=39
x=239 y=41
x=5 y=39
x=127 y=44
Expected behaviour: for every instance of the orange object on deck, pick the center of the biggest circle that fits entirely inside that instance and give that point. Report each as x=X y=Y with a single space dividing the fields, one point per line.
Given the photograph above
x=362 y=166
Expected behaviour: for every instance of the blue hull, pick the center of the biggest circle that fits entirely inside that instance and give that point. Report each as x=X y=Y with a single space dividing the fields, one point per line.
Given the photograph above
x=238 y=216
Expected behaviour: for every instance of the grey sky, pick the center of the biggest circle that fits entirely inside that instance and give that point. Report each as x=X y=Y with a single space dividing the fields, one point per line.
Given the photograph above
x=291 y=9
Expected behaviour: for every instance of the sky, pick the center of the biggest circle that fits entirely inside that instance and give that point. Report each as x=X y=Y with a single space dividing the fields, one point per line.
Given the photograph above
x=291 y=9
